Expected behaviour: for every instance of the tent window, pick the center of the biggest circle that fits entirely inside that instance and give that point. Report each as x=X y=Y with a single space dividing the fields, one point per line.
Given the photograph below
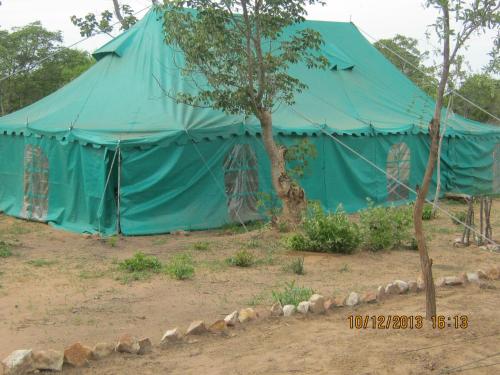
x=398 y=166
x=36 y=184
x=241 y=180
x=496 y=169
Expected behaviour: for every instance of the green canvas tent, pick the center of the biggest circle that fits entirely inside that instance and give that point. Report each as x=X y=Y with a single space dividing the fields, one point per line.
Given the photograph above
x=111 y=147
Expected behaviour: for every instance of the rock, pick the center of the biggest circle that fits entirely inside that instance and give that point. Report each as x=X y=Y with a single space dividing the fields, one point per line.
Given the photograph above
x=218 y=327
x=328 y=305
x=452 y=281
x=231 y=319
x=458 y=242
x=303 y=307
x=276 y=310
x=482 y=275
x=51 y=360
x=391 y=288
x=317 y=304
x=102 y=350
x=352 y=299
x=245 y=315
x=493 y=247
x=412 y=287
x=420 y=284
x=128 y=344
x=380 y=293
x=288 y=310
x=472 y=277
x=196 y=328
x=402 y=286
x=369 y=297
x=493 y=273
x=440 y=282
x=172 y=336
x=145 y=346
x=19 y=362
x=77 y=355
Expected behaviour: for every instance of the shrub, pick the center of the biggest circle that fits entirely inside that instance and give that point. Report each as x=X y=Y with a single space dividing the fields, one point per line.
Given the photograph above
x=326 y=232
x=201 y=246
x=292 y=294
x=181 y=267
x=461 y=215
x=140 y=262
x=427 y=212
x=242 y=258
x=386 y=227
x=296 y=266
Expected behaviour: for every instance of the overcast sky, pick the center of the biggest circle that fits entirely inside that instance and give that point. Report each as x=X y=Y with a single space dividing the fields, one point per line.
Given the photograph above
x=379 y=18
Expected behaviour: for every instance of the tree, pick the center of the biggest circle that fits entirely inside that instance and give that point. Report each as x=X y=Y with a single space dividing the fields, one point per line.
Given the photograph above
x=457 y=21
x=238 y=56
x=403 y=52
x=483 y=90
x=90 y=24
x=34 y=64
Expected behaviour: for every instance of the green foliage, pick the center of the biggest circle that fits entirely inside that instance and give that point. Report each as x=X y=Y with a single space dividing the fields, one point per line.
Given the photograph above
x=427 y=212
x=112 y=241
x=292 y=294
x=461 y=215
x=404 y=54
x=482 y=90
x=326 y=232
x=296 y=266
x=5 y=250
x=181 y=267
x=141 y=262
x=239 y=47
x=242 y=258
x=41 y=262
x=28 y=54
x=386 y=227
x=298 y=157
x=201 y=246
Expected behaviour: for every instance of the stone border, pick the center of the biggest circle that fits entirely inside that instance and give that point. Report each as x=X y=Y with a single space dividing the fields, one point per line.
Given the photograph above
x=21 y=362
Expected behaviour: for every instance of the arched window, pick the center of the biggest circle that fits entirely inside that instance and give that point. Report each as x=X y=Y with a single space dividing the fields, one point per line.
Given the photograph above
x=36 y=184
x=241 y=180
x=398 y=166
x=496 y=169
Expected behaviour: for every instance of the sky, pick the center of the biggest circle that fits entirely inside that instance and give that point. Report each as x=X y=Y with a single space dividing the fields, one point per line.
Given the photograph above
x=377 y=18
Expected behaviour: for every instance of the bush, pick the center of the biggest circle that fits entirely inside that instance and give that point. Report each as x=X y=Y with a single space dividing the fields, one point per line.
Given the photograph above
x=141 y=263
x=296 y=266
x=326 y=232
x=462 y=216
x=201 y=246
x=427 y=212
x=386 y=227
x=181 y=267
x=292 y=294
x=5 y=250
x=242 y=258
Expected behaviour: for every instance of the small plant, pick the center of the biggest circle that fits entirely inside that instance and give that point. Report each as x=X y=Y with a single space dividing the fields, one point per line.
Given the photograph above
x=5 y=250
x=292 y=294
x=386 y=227
x=296 y=266
x=41 y=262
x=242 y=258
x=461 y=215
x=427 y=212
x=141 y=262
x=112 y=241
x=326 y=232
x=201 y=246
x=345 y=268
x=181 y=267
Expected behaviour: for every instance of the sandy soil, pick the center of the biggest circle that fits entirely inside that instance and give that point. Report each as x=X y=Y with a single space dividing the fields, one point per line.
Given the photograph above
x=59 y=288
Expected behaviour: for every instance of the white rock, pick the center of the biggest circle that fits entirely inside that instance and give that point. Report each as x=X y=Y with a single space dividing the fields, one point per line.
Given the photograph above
x=352 y=300
x=288 y=310
x=391 y=288
x=231 y=319
x=420 y=284
x=380 y=293
x=452 y=281
x=19 y=362
x=303 y=307
x=48 y=360
x=196 y=328
x=172 y=336
x=276 y=310
x=102 y=350
x=317 y=304
x=402 y=286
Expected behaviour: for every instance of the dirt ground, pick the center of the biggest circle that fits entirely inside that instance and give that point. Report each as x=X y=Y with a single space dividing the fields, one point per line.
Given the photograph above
x=59 y=287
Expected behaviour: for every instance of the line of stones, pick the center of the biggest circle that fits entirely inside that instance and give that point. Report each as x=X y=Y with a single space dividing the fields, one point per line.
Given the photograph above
x=21 y=362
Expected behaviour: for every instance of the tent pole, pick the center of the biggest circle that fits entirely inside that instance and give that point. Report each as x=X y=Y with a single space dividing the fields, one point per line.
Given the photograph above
x=118 y=198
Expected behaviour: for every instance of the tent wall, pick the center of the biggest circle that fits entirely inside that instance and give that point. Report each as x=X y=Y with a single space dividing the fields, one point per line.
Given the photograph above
x=74 y=183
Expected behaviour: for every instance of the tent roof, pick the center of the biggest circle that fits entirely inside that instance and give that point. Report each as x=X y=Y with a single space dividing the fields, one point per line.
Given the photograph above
x=123 y=96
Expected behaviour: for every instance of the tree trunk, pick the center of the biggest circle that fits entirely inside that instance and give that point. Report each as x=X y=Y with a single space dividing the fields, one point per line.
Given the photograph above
x=290 y=193
x=118 y=12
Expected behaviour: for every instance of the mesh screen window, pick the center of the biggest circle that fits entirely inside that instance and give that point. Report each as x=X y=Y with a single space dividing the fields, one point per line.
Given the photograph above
x=398 y=166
